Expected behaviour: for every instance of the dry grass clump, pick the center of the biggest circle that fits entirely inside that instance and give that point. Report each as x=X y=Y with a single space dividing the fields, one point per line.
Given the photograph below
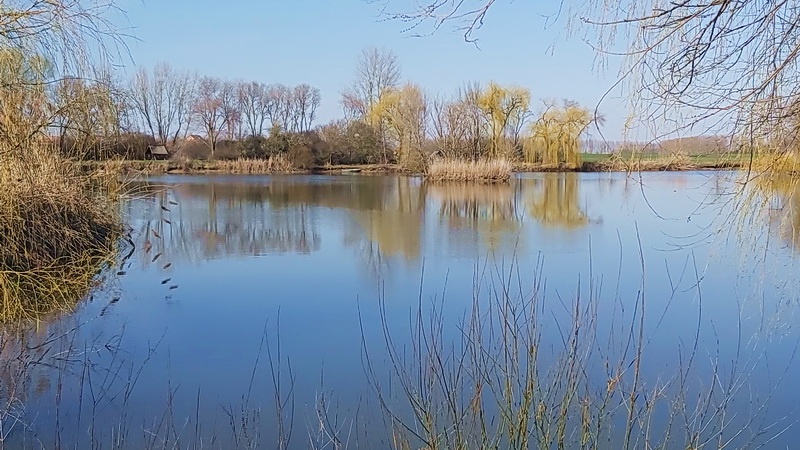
x=483 y=170
x=55 y=234
x=273 y=164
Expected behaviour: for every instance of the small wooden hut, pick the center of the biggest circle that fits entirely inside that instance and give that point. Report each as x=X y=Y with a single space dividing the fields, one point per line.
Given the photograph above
x=156 y=152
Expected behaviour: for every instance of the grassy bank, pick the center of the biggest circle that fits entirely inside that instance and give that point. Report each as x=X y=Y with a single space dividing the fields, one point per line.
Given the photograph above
x=660 y=162
x=438 y=171
x=57 y=230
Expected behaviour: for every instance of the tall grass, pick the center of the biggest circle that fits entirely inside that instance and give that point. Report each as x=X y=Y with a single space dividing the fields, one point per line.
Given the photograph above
x=484 y=170
x=56 y=231
x=273 y=164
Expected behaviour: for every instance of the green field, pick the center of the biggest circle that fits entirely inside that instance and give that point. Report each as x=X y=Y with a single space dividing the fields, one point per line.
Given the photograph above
x=703 y=160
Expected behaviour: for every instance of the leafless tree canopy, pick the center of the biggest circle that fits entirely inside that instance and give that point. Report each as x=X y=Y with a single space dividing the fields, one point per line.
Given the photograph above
x=163 y=101
x=732 y=60
x=376 y=70
x=66 y=32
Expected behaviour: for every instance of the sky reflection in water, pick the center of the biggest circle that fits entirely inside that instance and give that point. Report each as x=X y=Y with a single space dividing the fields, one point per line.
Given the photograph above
x=218 y=258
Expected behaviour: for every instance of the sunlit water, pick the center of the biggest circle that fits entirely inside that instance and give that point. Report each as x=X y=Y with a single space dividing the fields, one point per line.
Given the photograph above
x=238 y=284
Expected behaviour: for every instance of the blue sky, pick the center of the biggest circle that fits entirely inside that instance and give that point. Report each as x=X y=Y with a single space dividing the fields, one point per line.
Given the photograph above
x=318 y=42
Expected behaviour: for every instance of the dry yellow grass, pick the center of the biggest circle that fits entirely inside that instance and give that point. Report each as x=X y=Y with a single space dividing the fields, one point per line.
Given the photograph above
x=484 y=170
x=55 y=234
x=277 y=164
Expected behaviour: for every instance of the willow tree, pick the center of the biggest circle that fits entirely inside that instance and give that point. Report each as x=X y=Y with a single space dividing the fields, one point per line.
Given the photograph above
x=555 y=138
x=40 y=42
x=24 y=105
x=54 y=235
x=377 y=71
x=90 y=114
x=403 y=112
x=505 y=109
x=728 y=66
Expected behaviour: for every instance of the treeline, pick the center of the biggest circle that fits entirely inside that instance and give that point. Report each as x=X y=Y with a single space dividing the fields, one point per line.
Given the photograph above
x=385 y=120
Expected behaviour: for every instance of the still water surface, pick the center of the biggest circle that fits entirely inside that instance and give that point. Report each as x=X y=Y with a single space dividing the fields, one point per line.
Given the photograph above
x=228 y=273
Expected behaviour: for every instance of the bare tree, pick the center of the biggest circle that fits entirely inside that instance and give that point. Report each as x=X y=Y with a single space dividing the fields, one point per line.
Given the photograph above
x=42 y=42
x=306 y=100
x=163 y=100
x=256 y=106
x=377 y=69
x=210 y=111
x=284 y=105
x=230 y=110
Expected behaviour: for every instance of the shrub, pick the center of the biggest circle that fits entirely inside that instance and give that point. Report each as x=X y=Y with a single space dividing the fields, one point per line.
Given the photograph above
x=301 y=156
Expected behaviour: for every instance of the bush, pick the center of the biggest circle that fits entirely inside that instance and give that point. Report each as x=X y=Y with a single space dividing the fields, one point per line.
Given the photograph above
x=350 y=143
x=253 y=147
x=301 y=157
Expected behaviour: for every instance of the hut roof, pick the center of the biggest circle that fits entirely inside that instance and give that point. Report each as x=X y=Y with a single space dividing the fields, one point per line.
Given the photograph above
x=158 y=150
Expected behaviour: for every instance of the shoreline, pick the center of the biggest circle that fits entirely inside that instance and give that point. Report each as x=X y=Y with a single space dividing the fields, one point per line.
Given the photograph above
x=205 y=167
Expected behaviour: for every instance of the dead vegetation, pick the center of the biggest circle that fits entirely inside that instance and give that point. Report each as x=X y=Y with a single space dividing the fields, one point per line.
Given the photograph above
x=55 y=233
x=483 y=170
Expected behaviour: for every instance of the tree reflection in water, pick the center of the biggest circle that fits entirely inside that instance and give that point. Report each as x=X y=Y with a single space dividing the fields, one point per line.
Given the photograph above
x=554 y=200
x=383 y=217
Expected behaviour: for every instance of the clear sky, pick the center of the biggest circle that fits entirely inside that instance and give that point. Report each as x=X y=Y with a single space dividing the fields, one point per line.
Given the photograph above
x=318 y=42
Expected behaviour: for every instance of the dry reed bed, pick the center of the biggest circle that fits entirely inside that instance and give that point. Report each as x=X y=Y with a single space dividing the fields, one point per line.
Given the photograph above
x=483 y=170
x=277 y=164
x=55 y=234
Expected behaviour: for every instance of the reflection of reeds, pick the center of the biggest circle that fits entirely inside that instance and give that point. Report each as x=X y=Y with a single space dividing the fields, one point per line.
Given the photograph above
x=488 y=209
x=484 y=170
x=469 y=200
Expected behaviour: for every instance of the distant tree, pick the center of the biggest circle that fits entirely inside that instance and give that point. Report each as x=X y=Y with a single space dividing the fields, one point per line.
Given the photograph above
x=256 y=106
x=404 y=114
x=377 y=69
x=555 y=138
x=284 y=110
x=506 y=109
x=350 y=142
x=231 y=110
x=459 y=125
x=163 y=100
x=306 y=101
x=210 y=110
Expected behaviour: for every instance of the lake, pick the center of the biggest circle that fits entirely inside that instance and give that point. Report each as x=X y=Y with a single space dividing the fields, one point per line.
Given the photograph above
x=358 y=311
